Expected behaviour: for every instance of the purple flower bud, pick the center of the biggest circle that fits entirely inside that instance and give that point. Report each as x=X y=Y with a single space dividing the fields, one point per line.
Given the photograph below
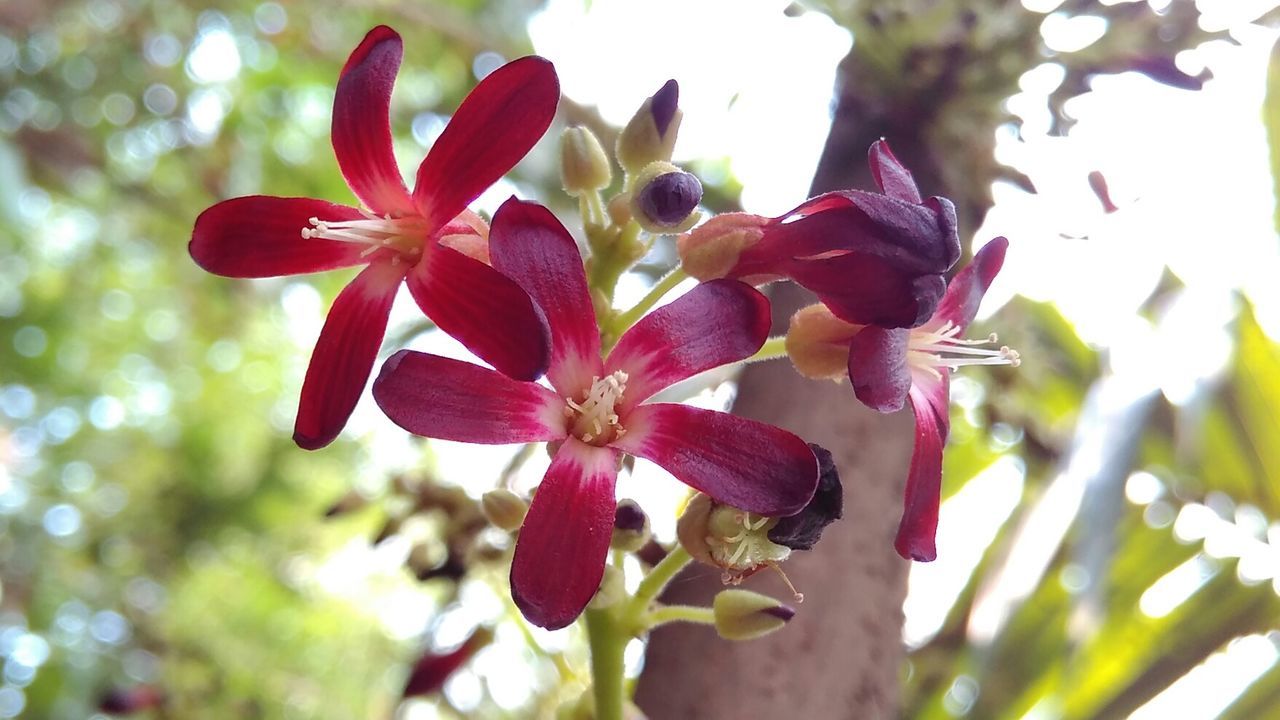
x=664 y=105
x=782 y=612
x=668 y=199
x=629 y=517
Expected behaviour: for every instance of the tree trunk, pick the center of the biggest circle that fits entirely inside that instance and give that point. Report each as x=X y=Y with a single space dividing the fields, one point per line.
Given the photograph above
x=842 y=654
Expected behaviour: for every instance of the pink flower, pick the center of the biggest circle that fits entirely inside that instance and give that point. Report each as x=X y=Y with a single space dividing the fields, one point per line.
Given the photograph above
x=871 y=258
x=423 y=238
x=596 y=411
x=889 y=366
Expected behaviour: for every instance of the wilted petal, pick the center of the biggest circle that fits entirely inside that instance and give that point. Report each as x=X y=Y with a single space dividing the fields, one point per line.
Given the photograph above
x=894 y=179
x=484 y=310
x=878 y=368
x=560 y=553
x=261 y=236
x=492 y=130
x=919 y=525
x=717 y=322
x=747 y=464
x=449 y=399
x=344 y=355
x=803 y=530
x=870 y=290
x=362 y=125
x=529 y=245
x=965 y=292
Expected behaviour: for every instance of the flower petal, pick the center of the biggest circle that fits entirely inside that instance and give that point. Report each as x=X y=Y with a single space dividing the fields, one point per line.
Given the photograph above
x=344 y=355
x=492 y=130
x=894 y=179
x=529 y=245
x=868 y=290
x=560 y=553
x=449 y=399
x=483 y=309
x=362 y=123
x=965 y=292
x=919 y=524
x=747 y=464
x=717 y=322
x=261 y=236
x=878 y=368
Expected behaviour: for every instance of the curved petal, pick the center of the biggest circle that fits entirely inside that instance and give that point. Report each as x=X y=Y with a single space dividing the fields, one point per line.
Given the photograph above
x=965 y=292
x=492 y=130
x=869 y=290
x=448 y=399
x=747 y=464
x=362 y=123
x=560 y=554
x=894 y=179
x=919 y=524
x=344 y=355
x=878 y=368
x=717 y=322
x=483 y=309
x=261 y=236
x=529 y=245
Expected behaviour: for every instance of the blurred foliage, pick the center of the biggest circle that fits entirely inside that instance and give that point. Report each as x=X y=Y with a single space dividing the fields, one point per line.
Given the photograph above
x=159 y=529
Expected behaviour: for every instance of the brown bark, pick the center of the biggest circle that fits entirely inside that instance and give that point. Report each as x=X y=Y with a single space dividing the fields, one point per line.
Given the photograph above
x=842 y=654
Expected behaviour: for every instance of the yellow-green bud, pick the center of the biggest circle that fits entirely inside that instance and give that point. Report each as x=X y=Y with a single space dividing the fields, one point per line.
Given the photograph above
x=612 y=589
x=651 y=133
x=630 y=527
x=583 y=165
x=504 y=509
x=746 y=615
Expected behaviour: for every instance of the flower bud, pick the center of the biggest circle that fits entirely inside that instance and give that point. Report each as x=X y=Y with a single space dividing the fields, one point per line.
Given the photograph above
x=745 y=615
x=583 y=165
x=818 y=343
x=712 y=250
x=630 y=527
x=504 y=509
x=651 y=133
x=665 y=198
x=612 y=589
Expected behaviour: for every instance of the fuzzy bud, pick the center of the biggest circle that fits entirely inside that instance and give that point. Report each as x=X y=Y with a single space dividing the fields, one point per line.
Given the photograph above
x=666 y=198
x=504 y=509
x=612 y=589
x=583 y=165
x=818 y=343
x=712 y=250
x=745 y=615
x=630 y=527
x=651 y=133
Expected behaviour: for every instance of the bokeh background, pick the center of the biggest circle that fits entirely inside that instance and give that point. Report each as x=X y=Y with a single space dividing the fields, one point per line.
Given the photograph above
x=1108 y=545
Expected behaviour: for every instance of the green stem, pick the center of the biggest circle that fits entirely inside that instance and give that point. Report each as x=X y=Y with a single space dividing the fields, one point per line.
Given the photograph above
x=773 y=348
x=680 y=613
x=664 y=286
x=654 y=582
x=608 y=644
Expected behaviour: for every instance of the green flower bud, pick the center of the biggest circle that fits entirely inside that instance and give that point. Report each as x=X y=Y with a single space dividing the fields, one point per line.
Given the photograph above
x=745 y=615
x=630 y=527
x=612 y=590
x=651 y=133
x=504 y=509
x=583 y=165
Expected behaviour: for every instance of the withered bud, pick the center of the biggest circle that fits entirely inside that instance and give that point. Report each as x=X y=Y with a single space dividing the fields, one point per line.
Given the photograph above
x=666 y=198
x=504 y=509
x=651 y=133
x=746 y=615
x=584 y=167
x=630 y=527
x=350 y=502
x=818 y=343
x=803 y=530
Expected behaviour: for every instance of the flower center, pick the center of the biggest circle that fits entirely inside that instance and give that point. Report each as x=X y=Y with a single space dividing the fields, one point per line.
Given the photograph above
x=402 y=235
x=594 y=421
x=931 y=349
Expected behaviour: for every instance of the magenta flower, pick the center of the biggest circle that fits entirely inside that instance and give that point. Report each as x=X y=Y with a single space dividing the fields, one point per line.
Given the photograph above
x=871 y=258
x=889 y=366
x=400 y=237
x=596 y=411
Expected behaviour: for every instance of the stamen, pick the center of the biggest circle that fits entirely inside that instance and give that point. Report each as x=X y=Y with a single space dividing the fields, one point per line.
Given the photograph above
x=595 y=412
x=404 y=235
x=799 y=596
x=930 y=350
